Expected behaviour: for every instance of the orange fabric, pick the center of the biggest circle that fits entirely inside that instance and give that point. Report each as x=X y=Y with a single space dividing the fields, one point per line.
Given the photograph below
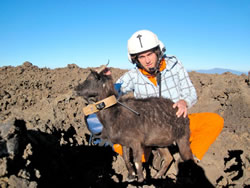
x=151 y=77
x=143 y=158
x=118 y=149
x=204 y=129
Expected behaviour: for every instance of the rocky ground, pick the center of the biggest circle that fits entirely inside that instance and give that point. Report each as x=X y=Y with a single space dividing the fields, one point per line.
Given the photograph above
x=44 y=138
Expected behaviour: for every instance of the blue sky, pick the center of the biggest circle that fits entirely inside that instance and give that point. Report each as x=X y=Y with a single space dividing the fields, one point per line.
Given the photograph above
x=203 y=34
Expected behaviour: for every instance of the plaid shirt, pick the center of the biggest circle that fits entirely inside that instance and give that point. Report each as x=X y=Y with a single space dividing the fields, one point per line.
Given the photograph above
x=175 y=83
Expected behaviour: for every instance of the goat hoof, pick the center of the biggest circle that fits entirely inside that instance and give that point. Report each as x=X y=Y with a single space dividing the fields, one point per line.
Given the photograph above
x=140 y=180
x=156 y=176
x=130 y=178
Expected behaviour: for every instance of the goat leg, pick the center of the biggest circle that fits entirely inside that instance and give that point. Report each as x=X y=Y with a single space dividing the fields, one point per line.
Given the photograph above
x=126 y=157
x=184 y=148
x=168 y=158
x=137 y=153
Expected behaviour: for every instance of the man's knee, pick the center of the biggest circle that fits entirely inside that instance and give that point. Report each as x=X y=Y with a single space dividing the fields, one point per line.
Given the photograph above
x=218 y=121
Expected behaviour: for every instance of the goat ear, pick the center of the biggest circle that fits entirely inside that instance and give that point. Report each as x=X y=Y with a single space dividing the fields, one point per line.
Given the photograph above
x=96 y=75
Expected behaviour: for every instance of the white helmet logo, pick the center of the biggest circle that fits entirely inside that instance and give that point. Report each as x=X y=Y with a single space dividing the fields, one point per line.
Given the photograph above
x=139 y=37
x=142 y=41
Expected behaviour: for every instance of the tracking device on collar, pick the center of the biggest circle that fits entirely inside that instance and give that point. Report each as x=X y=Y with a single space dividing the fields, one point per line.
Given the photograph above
x=100 y=106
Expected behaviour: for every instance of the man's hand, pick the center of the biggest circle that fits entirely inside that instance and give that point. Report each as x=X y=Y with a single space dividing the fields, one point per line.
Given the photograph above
x=182 y=108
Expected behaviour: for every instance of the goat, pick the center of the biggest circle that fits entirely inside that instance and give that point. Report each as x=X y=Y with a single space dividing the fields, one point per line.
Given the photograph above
x=156 y=126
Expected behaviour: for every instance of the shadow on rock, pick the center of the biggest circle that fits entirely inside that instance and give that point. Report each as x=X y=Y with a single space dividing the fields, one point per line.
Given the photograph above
x=40 y=158
x=189 y=173
x=37 y=159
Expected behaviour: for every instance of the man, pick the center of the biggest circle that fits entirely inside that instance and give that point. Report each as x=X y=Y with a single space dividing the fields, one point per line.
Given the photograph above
x=164 y=76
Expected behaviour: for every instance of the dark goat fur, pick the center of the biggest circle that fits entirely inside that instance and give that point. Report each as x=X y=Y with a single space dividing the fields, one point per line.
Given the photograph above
x=157 y=124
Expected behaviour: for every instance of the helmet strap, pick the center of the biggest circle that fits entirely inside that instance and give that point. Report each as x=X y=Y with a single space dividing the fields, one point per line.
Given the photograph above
x=151 y=71
x=158 y=78
x=158 y=73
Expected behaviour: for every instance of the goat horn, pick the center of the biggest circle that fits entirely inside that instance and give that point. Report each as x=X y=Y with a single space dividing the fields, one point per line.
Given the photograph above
x=101 y=68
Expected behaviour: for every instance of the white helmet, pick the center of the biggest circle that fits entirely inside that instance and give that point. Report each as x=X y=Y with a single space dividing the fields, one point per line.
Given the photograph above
x=143 y=40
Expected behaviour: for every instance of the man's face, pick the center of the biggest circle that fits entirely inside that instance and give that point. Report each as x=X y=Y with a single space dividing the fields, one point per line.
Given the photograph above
x=148 y=59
